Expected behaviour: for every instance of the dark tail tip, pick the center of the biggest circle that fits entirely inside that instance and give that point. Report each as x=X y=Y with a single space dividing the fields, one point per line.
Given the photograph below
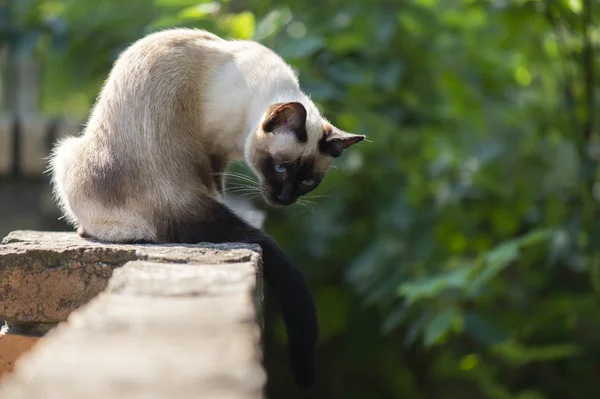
x=304 y=371
x=305 y=381
x=303 y=341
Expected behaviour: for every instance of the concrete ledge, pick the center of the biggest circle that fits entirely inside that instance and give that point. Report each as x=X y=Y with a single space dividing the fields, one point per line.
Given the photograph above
x=45 y=276
x=177 y=322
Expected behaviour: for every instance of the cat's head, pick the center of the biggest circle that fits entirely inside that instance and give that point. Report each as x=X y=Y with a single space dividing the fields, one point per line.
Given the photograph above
x=292 y=149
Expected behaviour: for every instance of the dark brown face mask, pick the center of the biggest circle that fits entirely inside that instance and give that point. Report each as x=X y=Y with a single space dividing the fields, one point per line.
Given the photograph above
x=284 y=182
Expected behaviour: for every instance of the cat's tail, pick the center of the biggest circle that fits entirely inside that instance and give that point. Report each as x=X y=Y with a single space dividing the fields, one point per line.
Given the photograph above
x=216 y=223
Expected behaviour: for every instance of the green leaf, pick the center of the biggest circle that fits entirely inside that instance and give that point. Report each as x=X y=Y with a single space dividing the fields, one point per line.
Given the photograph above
x=347 y=42
x=394 y=318
x=415 y=330
x=178 y=3
x=519 y=354
x=272 y=23
x=240 y=26
x=300 y=47
x=483 y=330
x=496 y=260
x=534 y=237
x=199 y=11
x=415 y=291
x=439 y=326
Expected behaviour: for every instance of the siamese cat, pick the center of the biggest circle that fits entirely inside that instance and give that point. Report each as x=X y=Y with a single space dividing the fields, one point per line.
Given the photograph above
x=177 y=106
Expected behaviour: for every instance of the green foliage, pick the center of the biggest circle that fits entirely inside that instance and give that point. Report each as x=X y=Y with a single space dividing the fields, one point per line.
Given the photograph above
x=455 y=254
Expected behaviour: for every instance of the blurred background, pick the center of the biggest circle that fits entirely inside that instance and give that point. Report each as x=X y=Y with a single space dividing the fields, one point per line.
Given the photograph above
x=454 y=255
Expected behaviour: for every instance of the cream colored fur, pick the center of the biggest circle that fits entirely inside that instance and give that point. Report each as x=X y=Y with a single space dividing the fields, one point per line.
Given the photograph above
x=174 y=101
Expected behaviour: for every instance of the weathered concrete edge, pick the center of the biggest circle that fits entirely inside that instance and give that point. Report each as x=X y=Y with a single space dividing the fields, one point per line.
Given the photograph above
x=23 y=383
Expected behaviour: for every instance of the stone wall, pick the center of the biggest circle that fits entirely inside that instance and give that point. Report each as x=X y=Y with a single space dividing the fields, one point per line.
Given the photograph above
x=136 y=321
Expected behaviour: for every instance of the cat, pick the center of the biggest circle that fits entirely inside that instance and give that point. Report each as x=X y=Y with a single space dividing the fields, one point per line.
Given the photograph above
x=176 y=108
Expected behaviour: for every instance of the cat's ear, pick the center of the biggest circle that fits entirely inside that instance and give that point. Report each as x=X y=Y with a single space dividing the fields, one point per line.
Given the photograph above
x=287 y=118
x=335 y=141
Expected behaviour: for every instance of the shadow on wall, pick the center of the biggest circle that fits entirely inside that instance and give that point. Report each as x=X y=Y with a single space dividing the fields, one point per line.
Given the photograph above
x=27 y=204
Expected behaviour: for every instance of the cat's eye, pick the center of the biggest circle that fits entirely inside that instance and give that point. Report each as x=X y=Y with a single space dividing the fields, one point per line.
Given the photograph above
x=280 y=168
x=308 y=182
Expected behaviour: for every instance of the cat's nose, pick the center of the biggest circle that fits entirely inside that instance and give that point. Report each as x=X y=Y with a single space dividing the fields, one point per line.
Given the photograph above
x=285 y=196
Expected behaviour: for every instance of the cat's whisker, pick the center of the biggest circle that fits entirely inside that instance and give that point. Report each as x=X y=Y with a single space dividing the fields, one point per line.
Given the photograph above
x=241 y=179
x=304 y=200
x=298 y=207
x=249 y=196
x=244 y=185
x=239 y=176
x=233 y=187
x=303 y=205
x=232 y=174
x=239 y=191
x=242 y=164
x=235 y=173
x=240 y=194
